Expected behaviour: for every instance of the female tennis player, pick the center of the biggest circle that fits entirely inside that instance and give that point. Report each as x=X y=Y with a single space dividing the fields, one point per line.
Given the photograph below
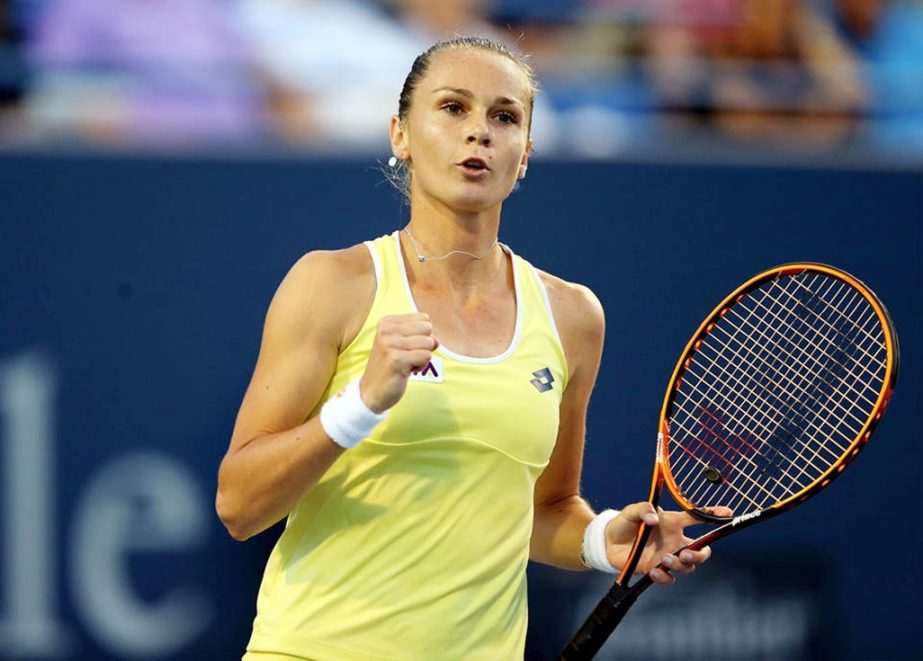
x=417 y=410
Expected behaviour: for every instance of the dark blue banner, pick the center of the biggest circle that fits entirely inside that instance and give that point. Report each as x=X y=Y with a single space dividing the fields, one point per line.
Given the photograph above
x=133 y=294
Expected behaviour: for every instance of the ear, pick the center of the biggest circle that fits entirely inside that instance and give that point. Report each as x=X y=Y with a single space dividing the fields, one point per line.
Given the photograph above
x=399 y=142
x=524 y=163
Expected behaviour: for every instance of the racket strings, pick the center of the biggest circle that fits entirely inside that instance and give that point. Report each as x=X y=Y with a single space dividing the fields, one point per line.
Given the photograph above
x=695 y=496
x=755 y=418
x=796 y=451
x=788 y=481
x=862 y=375
x=772 y=411
x=761 y=398
x=805 y=356
x=808 y=363
x=754 y=425
x=862 y=368
x=859 y=299
x=776 y=392
x=835 y=376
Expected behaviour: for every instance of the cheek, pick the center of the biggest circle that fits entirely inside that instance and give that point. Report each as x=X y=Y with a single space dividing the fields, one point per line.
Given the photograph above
x=516 y=154
x=430 y=143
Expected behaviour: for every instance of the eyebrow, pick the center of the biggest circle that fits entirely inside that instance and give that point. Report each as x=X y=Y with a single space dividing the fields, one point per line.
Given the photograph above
x=501 y=100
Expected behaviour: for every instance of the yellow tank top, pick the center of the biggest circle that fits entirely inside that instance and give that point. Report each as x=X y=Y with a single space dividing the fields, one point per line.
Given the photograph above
x=414 y=544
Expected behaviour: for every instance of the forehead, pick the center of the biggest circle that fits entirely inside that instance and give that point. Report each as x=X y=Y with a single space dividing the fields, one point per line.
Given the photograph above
x=477 y=70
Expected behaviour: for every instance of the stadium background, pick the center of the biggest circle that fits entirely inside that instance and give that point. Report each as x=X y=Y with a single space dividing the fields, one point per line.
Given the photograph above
x=137 y=259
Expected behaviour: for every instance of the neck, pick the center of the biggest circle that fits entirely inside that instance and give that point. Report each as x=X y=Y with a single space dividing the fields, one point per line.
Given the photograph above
x=438 y=258
x=456 y=249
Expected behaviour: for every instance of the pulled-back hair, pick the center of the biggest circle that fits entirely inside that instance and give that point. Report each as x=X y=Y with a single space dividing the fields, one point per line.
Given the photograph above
x=422 y=63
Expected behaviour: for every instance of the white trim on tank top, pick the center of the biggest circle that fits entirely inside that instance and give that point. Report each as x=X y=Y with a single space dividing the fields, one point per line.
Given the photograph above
x=544 y=290
x=376 y=262
x=443 y=349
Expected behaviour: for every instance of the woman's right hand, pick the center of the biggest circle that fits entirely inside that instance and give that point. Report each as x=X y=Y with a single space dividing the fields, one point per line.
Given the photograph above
x=404 y=344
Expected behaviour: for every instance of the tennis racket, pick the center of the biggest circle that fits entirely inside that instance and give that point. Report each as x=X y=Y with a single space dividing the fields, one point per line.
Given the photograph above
x=775 y=394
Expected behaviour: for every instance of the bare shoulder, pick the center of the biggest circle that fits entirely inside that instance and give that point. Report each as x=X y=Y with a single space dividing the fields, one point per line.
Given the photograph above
x=579 y=317
x=348 y=267
x=312 y=294
x=577 y=310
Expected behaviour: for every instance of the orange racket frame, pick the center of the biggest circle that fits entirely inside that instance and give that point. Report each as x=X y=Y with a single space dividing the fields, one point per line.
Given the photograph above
x=587 y=641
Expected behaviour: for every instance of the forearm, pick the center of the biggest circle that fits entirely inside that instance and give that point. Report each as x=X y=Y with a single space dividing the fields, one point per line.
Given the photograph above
x=263 y=480
x=557 y=532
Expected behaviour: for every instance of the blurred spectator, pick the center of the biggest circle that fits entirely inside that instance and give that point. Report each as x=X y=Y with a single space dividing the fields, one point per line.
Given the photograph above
x=12 y=64
x=763 y=69
x=322 y=74
x=888 y=34
x=437 y=21
x=142 y=71
x=334 y=67
x=590 y=98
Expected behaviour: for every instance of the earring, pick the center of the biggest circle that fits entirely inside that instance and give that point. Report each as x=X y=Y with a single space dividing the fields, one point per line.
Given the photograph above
x=392 y=162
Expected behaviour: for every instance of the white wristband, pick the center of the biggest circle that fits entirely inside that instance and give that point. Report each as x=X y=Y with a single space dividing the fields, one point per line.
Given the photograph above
x=346 y=418
x=593 y=552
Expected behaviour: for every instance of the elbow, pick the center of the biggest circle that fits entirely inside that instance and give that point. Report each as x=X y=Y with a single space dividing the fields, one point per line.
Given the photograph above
x=232 y=518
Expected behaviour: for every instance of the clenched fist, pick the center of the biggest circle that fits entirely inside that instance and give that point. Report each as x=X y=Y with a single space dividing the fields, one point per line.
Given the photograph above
x=403 y=344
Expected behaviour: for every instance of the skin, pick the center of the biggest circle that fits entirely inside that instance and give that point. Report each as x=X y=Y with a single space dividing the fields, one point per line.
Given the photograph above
x=470 y=103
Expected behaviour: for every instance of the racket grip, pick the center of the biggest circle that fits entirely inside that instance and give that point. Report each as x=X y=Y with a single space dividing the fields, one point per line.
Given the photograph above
x=599 y=625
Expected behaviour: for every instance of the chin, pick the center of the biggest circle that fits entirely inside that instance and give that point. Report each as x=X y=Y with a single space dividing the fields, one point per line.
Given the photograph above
x=479 y=205
x=467 y=199
x=477 y=201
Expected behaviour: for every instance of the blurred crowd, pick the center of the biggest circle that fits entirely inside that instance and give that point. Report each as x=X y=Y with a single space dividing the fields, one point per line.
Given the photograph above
x=324 y=75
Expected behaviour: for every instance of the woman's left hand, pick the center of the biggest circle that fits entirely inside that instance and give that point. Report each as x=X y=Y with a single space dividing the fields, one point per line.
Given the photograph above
x=667 y=536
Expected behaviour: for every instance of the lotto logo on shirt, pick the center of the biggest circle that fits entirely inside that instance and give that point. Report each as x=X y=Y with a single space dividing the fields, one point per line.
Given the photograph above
x=432 y=373
x=543 y=380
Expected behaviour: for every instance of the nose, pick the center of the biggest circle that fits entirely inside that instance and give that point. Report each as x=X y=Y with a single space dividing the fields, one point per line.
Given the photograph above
x=478 y=132
x=483 y=140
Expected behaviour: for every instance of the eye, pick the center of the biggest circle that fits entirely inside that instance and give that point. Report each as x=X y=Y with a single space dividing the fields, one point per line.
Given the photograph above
x=508 y=117
x=452 y=107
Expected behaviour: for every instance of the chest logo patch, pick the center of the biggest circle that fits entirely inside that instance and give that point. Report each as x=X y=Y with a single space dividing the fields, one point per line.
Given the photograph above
x=432 y=373
x=543 y=379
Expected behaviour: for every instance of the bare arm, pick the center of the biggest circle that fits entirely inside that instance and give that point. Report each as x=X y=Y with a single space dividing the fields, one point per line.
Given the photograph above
x=561 y=514
x=275 y=456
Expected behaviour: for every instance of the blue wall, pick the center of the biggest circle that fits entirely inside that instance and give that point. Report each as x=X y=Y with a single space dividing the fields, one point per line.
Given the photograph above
x=133 y=292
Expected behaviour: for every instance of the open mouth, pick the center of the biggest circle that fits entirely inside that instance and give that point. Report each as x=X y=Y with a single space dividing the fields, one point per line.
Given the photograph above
x=474 y=165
